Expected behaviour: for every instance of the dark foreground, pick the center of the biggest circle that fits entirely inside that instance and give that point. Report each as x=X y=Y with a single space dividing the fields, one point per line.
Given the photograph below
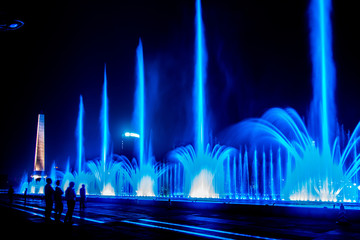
x=129 y=220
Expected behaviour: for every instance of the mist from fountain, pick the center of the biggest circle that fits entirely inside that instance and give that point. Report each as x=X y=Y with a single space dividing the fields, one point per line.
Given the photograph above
x=143 y=172
x=203 y=168
x=80 y=135
x=281 y=157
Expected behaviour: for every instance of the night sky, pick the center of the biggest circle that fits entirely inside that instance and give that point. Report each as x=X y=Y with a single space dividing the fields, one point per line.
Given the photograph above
x=258 y=58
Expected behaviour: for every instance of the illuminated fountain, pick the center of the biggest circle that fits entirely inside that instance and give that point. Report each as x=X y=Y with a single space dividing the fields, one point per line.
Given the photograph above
x=80 y=136
x=281 y=156
x=203 y=169
x=142 y=172
x=315 y=166
x=104 y=170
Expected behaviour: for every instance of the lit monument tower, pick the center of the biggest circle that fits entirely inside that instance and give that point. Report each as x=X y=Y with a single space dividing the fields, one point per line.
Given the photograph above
x=39 y=161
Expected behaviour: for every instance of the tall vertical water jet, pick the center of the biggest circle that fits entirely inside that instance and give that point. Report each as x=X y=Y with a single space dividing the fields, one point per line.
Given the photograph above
x=203 y=164
x=105 y=133
x=199 y=96
x=139 y=111
x=323 y=105
x=79 y=135
x=315 y=163
x=144 y=173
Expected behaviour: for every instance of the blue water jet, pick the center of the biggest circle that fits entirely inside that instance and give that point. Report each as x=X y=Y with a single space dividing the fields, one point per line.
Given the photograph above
x=104 y=120
x=139 y=102
x=142 y=173
x=199 y=95
x=203 y=164
x=323 y=108
x=80 y=134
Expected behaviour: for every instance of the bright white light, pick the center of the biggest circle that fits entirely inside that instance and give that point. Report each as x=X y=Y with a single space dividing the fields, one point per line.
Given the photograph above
x=108 y=190
x=202 y=185
x=130 y=134
x=145 y=187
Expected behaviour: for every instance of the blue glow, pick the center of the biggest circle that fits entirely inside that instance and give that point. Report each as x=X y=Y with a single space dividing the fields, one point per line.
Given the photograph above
x=104 y=123
x=14 y=25
x=130 y=134
x=203 y=164
x=79 y=134
x=314 y=160
x=11 y=26
x=175 y=230
x=32 y=213
x=140 y=101
x=43 y=210
x=199 y=81
x=144 y=171
x=205 y=229
x=301 y=160
x=323 y=71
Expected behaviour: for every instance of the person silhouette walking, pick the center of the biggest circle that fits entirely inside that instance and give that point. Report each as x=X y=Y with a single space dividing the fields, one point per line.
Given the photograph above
x=70 y=197
x=49 y=199
x=59 y=206
x=11 y=194
x=82 y=197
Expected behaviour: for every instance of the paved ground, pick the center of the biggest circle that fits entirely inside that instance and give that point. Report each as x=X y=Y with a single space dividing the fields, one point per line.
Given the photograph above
x=124 y=221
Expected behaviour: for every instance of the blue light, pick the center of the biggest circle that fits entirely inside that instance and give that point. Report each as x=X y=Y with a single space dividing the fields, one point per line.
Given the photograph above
x=104 y=122
x=140 y=101
x=33 y=213
x=204 y=229
x=43 y=210
x=14 y=25
x=79 y=134
x=130 y=134
x=175 y=230
x=11 y=25
x=199 y=81
x=323 y=77
x=323 y=70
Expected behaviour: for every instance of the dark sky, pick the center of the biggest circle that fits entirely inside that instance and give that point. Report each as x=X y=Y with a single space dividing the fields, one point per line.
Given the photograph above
x=258 y=53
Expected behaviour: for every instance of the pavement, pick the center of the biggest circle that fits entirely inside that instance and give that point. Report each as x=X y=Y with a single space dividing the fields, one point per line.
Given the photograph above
x=124 y=220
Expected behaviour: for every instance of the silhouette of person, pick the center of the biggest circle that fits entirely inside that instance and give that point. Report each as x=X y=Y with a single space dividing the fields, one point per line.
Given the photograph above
x=59 y=206
x=342 y=208
x=342 y=219
x=11 y=194
x=82 y=197
x=25 y=195
x=49 y=199
x=70 y=197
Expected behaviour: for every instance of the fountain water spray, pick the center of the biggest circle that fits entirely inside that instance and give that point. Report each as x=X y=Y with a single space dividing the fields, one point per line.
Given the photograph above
x=79 y=135
x=139 y=110
x=105 y=133
x=203 y=165
x=199 y=82
x=323 y=105
x=316 y=166
x=142 y=175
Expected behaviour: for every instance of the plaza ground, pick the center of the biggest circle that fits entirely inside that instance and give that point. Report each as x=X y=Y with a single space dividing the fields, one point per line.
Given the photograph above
x=111 y=218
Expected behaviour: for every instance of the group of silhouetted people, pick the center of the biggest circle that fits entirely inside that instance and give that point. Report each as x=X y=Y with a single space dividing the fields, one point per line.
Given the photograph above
x=52 y=196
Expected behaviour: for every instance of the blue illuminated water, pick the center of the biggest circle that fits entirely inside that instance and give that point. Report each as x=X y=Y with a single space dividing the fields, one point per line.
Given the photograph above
x=279 y=156
x=199 y=95
x=104 y=120
x=143 y=172
x=80 y=135
x=139 y=100
x=204 y=169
